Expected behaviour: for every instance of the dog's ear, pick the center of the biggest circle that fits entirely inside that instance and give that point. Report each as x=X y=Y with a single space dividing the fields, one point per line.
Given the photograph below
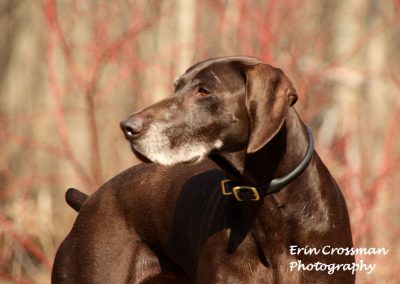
x=269 y=94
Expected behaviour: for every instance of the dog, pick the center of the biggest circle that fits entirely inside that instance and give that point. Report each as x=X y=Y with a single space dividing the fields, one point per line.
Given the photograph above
x=231 y=191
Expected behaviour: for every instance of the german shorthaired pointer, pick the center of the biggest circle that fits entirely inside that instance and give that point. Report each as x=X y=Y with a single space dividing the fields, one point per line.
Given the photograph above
x=231 y=191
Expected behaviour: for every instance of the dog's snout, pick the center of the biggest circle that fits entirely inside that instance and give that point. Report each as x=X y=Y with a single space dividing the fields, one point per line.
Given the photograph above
x=132 y=126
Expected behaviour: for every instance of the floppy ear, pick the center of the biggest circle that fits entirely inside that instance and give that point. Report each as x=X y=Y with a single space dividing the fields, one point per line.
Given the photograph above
x=269 y=94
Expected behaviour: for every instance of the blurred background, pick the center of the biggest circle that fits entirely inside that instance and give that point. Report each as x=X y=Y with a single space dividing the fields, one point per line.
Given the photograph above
x=70 y=70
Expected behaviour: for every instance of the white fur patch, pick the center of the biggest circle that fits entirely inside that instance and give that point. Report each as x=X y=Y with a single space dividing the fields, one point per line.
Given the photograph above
x=156 y=146
x=218 y=144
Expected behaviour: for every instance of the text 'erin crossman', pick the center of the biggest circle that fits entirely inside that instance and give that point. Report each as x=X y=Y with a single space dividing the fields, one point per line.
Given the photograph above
x=331 y=268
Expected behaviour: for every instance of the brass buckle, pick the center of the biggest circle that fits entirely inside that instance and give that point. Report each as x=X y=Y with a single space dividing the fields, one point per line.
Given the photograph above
x=223 y=182
x=236 y=191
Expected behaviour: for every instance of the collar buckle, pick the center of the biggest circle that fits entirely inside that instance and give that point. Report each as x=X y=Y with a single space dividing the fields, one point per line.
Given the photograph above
x=246 y=193
x=224 y=188
x=241 y=192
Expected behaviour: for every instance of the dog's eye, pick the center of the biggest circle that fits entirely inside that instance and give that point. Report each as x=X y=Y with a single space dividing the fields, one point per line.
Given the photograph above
x=203 y=92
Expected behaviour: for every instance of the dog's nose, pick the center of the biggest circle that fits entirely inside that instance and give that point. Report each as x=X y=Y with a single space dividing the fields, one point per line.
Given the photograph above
x=132 y=126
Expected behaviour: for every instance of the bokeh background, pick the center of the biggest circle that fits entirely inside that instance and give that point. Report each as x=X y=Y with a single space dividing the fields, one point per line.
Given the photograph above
x=70 y=70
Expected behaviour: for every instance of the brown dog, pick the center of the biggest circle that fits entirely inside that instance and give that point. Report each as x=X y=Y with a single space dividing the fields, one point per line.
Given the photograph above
x=234 y=193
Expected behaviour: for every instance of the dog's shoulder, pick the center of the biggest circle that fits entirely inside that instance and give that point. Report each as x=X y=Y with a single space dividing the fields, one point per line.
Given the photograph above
x=149 y=181
x=152 y=174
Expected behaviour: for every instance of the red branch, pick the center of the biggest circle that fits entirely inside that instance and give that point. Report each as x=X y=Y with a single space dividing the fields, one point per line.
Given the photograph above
x=25 y=242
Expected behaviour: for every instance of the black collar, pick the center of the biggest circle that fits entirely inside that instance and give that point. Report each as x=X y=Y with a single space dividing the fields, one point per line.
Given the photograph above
x=251 y=193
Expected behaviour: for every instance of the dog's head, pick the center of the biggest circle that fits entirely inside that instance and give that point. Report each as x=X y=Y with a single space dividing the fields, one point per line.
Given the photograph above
x=224 y=104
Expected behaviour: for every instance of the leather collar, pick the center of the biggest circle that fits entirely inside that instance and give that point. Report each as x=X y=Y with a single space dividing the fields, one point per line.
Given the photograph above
x=254 y=193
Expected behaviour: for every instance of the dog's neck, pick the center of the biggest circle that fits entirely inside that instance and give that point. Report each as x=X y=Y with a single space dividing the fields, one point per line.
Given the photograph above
x=276 y=159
